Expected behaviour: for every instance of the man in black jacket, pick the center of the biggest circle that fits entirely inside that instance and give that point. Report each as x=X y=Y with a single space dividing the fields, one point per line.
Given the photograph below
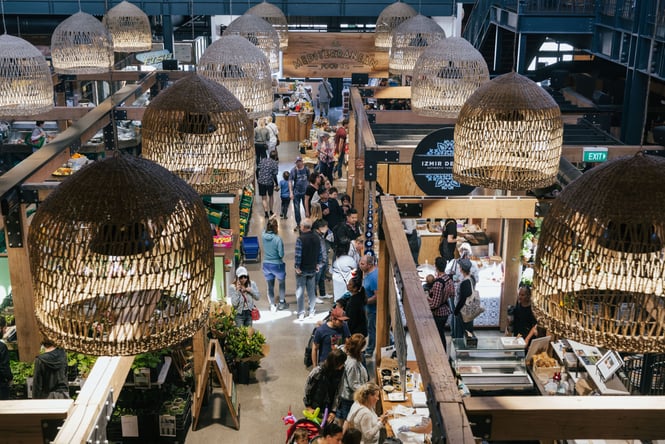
x=5 y=371
x=307 y=257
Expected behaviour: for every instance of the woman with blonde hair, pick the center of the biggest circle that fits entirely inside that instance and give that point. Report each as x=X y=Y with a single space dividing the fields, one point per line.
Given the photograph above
x=355 y=374
x=362 y=415
x=315 y=212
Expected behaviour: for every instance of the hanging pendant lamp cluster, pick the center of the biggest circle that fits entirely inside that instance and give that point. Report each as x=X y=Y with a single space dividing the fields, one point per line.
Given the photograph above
x=243 y=69
x=125 y=267
x=409 y=40
x=508 y=136
x=198 y=130
x=389 y=19
x=260 y=33
x=81 y=44
x=26 y=86
x=599 y=266
x=129 y=28
x=273 y=15
x=445 y=76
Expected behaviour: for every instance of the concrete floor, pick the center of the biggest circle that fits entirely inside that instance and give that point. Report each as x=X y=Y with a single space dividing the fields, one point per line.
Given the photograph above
x=279 y=383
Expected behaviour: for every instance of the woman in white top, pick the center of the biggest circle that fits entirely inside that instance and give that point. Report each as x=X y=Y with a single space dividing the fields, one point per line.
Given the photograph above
x=243 y=293
x=362 y=415
x=341 y=270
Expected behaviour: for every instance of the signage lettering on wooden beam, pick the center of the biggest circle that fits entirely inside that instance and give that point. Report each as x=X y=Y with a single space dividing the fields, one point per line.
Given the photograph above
x=333 y=55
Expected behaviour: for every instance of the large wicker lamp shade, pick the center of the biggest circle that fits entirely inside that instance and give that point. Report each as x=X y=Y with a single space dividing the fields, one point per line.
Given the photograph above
x=389 y=19
x=444 y=77
x=243 y=69
x=409 y=40
x=121 y=258
x=273 y=15
x=260 y=33
x=599 y=266
x=129 y=28
x=26 y=87
x=508 y=136
x=197 y=129
x=81 y=44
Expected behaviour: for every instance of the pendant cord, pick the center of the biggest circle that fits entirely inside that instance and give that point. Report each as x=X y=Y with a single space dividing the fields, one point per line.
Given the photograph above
x=648 y=72
x=4 y=25
x=80 y=10
x=191 y=6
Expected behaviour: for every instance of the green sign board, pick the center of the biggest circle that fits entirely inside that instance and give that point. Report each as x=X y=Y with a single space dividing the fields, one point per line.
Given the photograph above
x=594 y=154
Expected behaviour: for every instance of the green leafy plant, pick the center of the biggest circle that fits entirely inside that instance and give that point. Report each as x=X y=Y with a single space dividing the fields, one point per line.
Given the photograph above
x=149 y=359
x=245 y=343
x=21 y=371
x=82 y=362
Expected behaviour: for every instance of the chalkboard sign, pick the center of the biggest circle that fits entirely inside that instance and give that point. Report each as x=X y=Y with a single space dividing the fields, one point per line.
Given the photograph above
x=432 y=165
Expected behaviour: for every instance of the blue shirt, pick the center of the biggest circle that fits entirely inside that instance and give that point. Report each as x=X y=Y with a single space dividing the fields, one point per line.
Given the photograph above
x=284 y=189
x=371 y=284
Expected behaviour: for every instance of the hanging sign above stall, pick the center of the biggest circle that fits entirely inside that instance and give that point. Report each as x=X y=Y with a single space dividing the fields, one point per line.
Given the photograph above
x=432 y=165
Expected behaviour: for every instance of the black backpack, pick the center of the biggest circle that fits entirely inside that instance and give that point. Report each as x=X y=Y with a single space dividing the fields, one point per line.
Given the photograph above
x=308 y=350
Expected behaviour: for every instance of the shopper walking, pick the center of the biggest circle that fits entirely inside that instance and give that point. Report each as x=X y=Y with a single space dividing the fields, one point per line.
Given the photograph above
x=439 y=296
x=284 y=195
x=267 y=180
x=355 y=374
x=340 y=147
x=298 y=181
x=307 y=258
x=273 y=266
x=466 y=286
x=326 y=151
x=325 y=96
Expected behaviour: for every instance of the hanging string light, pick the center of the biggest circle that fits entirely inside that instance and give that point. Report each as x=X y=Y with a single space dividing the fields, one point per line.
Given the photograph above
x=260 y=33
x=389 y=19
x=273 y=15
x=131 y=275
x=129 y=28
x=409 y=40
x=243 y=69
x=444 y=77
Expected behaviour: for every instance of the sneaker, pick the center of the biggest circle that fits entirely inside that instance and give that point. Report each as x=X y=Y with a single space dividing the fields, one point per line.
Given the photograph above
x=319 y=300
x=273 y=308
x=312 y=313
x=327 y=296
x=301 y=317
x=282 y=306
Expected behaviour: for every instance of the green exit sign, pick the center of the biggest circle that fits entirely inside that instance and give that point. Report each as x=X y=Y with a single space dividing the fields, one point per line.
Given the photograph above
x=594 y=154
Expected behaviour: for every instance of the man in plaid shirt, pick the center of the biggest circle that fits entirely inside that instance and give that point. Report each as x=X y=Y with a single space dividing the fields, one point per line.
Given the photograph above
x=442 y=291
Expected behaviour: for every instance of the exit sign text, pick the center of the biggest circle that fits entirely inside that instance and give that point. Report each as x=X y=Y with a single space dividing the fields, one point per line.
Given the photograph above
x=594 y=154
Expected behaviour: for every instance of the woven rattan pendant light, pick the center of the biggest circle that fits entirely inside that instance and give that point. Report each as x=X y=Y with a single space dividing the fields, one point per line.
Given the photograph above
x=243 y=69
x=508 y=136
x=81 y=44
x=599 y=266
x=121 y=258
x=197 y=129
x=129 y=28
x=260 y=33
x=273 y=15
x=26 y=87
x=444 y=77
x=409 y=40
x=389 y=19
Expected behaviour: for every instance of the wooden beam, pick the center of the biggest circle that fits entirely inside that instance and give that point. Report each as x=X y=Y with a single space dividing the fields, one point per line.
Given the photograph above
x=493 y=207
x=108 y=374
x=21 y=420
x=569 y=417
x=433 y=362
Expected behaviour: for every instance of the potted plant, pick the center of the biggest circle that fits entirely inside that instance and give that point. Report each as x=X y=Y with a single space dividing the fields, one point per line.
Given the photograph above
x=21 y=371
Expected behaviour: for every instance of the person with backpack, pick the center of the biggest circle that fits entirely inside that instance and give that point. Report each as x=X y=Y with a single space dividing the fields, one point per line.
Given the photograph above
x=466 y=286
x=441 y=292
x=355 y=374
x=322 y=384
x=298 y=182
x=330 y=335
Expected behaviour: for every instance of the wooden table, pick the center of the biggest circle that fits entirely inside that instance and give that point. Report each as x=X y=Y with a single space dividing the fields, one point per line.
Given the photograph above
x=385 y=404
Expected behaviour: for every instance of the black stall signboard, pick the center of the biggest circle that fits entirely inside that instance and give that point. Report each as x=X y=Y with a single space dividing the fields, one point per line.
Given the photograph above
x=432 y=165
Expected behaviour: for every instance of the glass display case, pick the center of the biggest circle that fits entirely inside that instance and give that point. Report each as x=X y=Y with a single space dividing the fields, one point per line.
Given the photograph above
x=492 y=364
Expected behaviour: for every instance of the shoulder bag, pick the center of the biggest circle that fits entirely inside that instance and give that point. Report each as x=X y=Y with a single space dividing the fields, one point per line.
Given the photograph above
x=472 y=308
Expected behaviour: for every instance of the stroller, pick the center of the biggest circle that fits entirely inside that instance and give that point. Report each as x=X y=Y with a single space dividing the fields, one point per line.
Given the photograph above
x=310 y=426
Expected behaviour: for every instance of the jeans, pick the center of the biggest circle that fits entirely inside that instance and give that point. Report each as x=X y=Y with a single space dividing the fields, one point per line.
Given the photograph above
x=324 y=108
x=326 y=168
x=244 y=318
x=272 y=272
x=371 y=331
x=440 y=322
x=339 y=165
x=297 y=200
x=306 y=280
x=321 y=279
x=286 y=201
